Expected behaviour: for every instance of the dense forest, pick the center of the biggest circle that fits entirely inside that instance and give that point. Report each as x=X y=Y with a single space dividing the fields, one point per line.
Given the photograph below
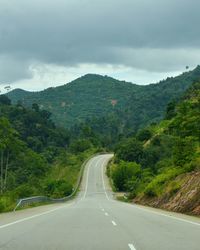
x=147 y=165
x=36 y=157
x=95 y=97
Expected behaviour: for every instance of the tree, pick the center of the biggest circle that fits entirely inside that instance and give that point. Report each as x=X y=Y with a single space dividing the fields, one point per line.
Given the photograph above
x=8 y=144
x=80 y=145
x=130 y=150
x=123 y=173
x=35 y=107
x=171 y=110
x=183 y=150
x=5 y=100
x=144 y=135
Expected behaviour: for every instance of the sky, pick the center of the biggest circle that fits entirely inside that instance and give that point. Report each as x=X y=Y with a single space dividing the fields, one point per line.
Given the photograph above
x=47 y=43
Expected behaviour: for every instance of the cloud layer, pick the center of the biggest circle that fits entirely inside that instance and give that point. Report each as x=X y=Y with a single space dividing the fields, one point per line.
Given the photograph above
x=152 y=36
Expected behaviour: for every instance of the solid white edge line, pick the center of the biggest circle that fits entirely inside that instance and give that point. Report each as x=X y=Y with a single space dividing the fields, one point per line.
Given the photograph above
x=131 y=247
x=168 y=216
x=88 y=170
x=32 y=217
x=87 y=178
x=102 y=174
x=114 y=223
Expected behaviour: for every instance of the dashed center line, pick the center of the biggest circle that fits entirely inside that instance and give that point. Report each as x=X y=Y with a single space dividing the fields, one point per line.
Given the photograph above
x=131 y=247
x=106 y=214
x=114 y=223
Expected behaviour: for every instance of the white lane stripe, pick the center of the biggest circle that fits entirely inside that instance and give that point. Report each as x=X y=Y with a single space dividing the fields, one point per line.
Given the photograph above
x=131 y=247
x=103 y=180
x=106 y=214
x=114 y=223
x=87 y=179
x=168 y=216
x=32 y=217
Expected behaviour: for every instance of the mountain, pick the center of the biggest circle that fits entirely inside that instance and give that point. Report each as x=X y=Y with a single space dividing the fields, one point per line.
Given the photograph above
x=94 y=96
x=88 y=96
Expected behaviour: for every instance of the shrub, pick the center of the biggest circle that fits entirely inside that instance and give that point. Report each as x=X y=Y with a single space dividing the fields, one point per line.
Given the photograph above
x=156 y=186
x=130 y=150
x=123 y=173
x=58 y=188
x=144 y=135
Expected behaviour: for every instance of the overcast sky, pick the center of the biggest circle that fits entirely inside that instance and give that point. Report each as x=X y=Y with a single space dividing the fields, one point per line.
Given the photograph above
x=51 y=42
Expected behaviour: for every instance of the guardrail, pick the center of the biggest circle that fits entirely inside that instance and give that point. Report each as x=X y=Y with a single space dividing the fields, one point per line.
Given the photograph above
x=37 y=199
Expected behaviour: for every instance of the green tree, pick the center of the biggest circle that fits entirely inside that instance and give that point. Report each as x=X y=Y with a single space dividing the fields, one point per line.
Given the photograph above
x=130 y=150
x=5 y=100
x=8 y=144
x=123 y=173
x=144 y=135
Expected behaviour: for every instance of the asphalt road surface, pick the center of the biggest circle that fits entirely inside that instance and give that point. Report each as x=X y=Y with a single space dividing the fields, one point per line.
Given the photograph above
x=95 y=221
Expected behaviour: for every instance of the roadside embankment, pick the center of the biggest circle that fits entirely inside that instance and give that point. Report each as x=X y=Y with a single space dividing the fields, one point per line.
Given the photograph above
x=185 y=200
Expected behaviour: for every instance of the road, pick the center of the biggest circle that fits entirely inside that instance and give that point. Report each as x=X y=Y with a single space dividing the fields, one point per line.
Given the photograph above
x=95 y=221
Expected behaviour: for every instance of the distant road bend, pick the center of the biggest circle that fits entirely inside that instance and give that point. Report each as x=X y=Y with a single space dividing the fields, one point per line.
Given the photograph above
x=95 y=221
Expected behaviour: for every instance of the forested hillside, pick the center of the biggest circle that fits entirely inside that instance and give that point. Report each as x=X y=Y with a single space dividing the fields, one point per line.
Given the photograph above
x=36 y=157
x=160 y=165
x=41 y=152
x=94 y=97
x=86 y=97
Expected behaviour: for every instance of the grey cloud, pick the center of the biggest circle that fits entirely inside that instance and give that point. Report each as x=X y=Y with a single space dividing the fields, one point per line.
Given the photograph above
x=70 y=32
x=12 y=69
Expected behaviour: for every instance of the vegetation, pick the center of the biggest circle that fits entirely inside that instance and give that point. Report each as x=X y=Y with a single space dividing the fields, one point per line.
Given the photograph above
x=111 y=108
x=149 y=162
x=36 y=157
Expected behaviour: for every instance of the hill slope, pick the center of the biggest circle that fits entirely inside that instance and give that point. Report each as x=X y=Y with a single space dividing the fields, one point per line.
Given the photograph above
x=94 y=96
x=36 y=157
x=161 y=166
x=88 y=96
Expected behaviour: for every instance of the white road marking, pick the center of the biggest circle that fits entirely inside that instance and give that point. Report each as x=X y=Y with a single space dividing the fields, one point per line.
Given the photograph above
x=87 y=178
x=114 y=223
x=103 y=180
x=168 y=216
x=103 y=210
x=131 y=247
x=32 y=217
x=106 y=214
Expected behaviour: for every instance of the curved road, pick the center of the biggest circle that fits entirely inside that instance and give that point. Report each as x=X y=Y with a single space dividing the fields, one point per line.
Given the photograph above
x=95 y=221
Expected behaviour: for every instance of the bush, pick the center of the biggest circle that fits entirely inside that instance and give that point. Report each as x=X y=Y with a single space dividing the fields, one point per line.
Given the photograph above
x=130 y=150
x=183 y=151
x=24 y=191
x=2 y=206
x=123 y=173
x=144 y=135
x=58 y=188
x=7 y=203
x=156 y=186
x=80 y=145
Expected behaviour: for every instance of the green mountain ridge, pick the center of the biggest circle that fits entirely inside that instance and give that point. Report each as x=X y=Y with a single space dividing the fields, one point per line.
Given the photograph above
x=95 y=96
